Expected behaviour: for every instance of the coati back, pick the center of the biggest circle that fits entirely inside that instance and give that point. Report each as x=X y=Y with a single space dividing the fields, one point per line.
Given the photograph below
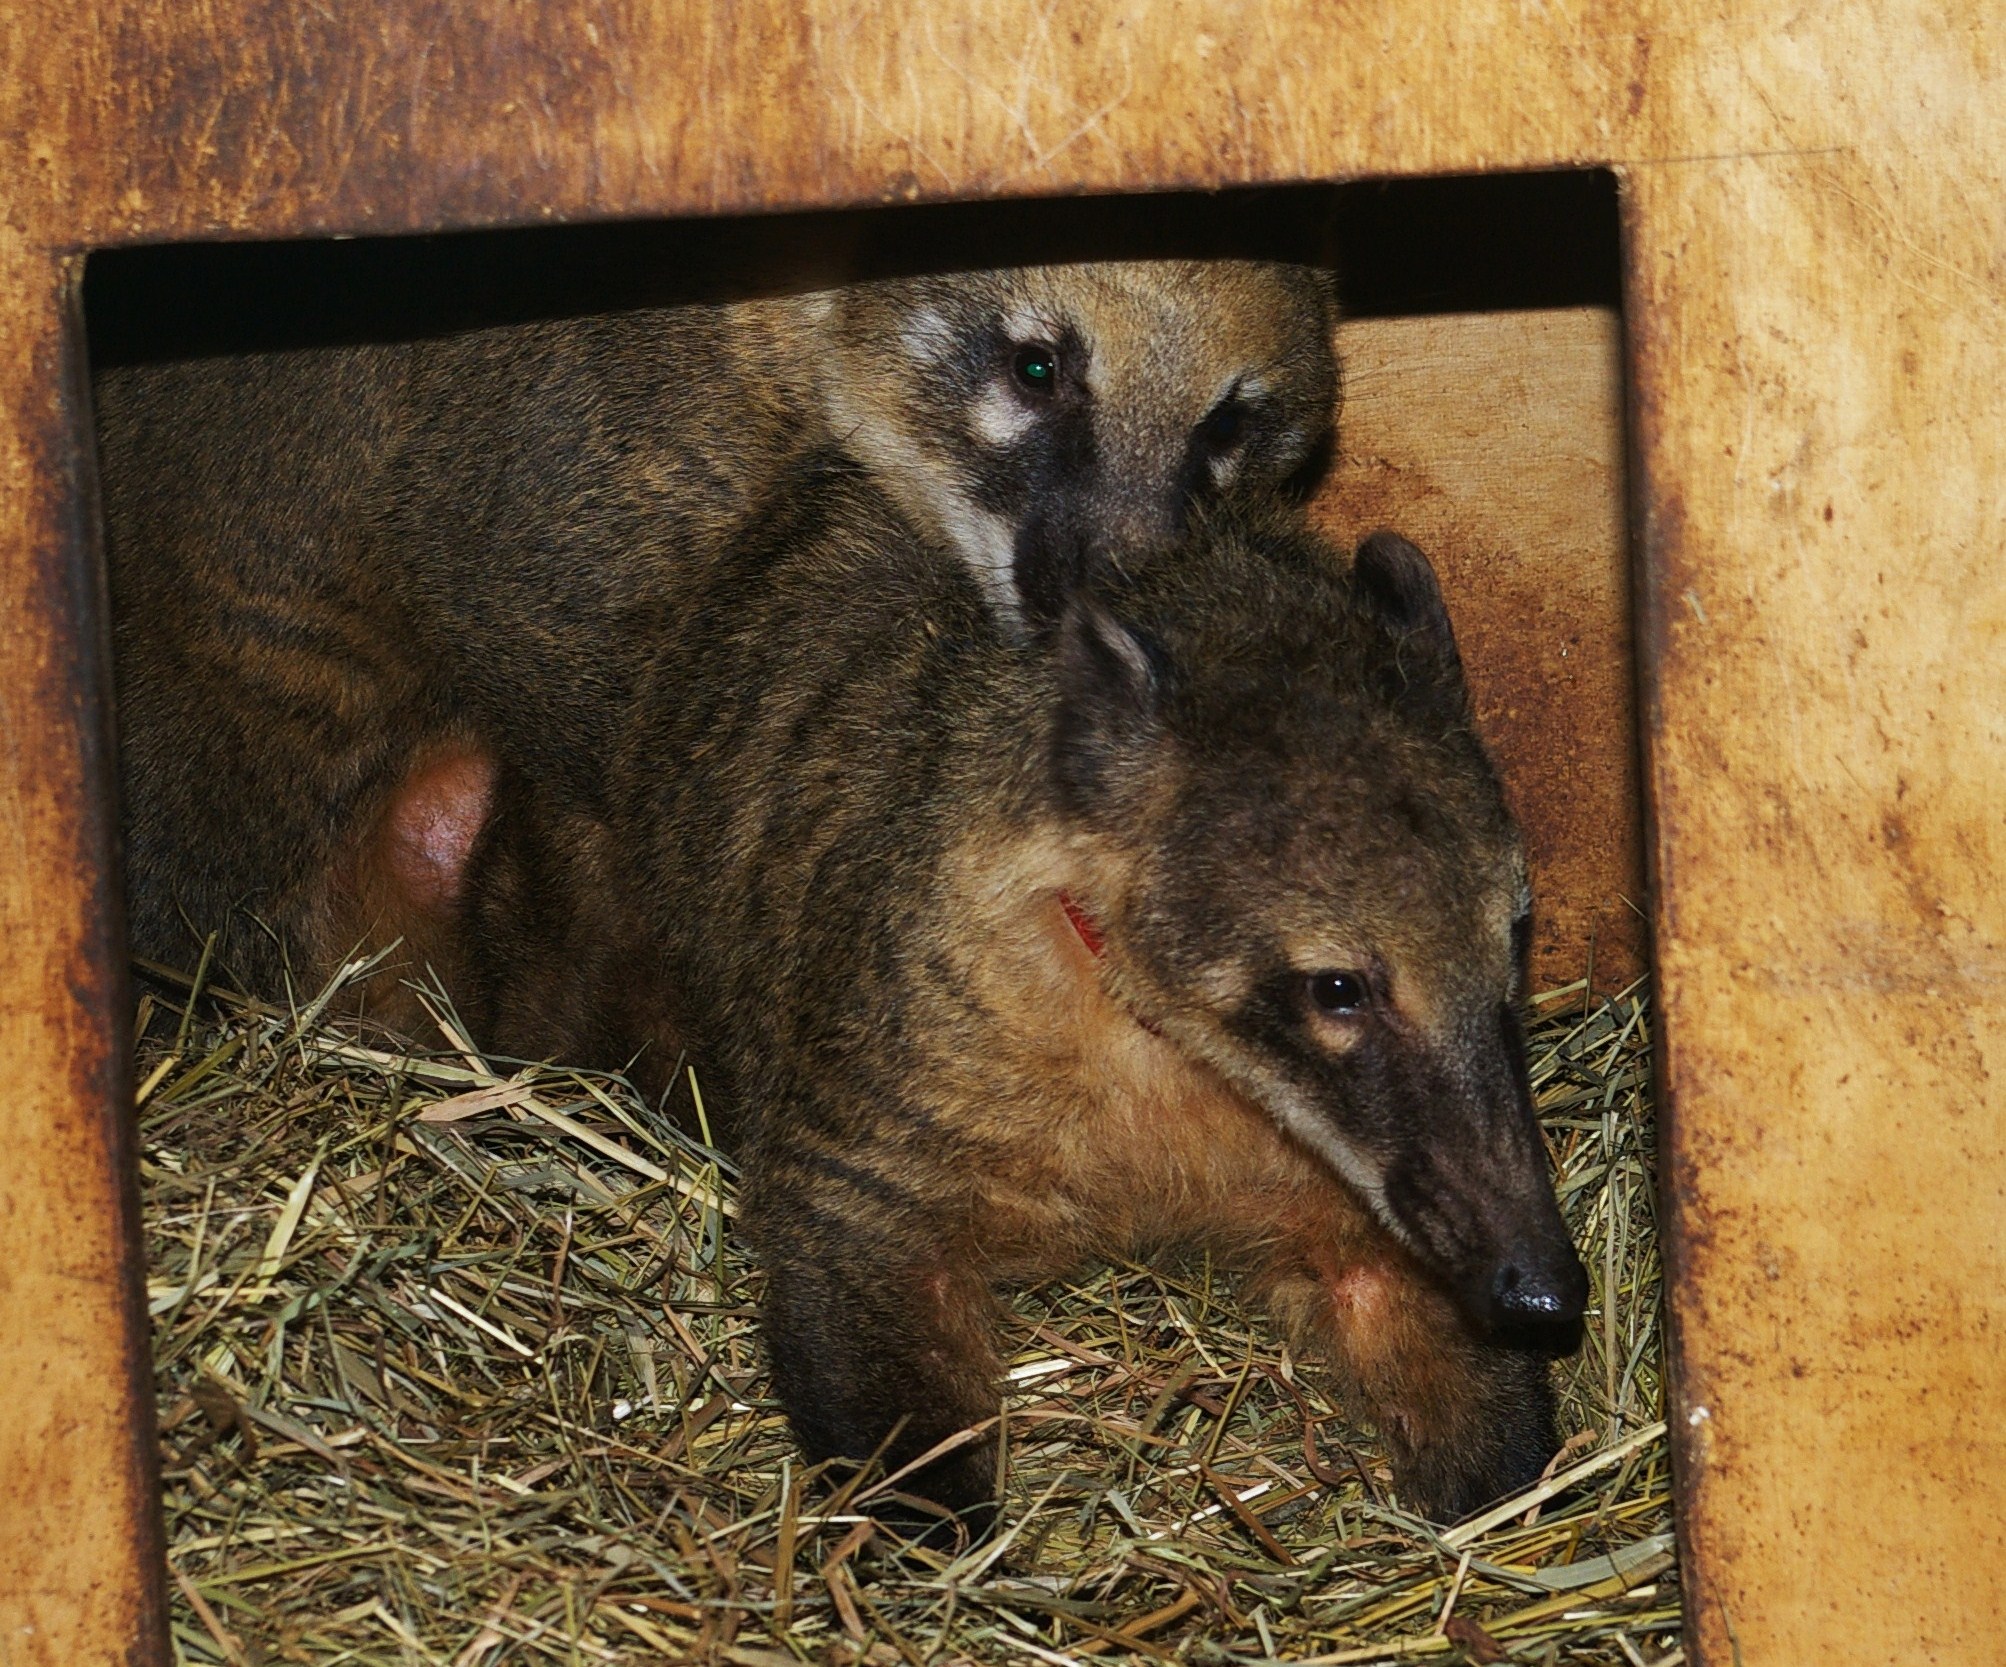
x=1196 y=921
x=333 y=567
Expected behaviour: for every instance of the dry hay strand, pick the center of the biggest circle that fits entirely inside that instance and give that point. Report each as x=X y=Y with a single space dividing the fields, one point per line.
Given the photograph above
x=456 y=1364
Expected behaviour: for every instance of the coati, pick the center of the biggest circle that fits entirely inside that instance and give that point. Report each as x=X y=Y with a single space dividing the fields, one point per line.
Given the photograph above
x=347 y=580
x=1197 y=921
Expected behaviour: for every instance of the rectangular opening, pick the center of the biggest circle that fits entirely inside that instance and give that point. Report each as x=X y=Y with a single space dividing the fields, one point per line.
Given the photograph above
x=395 y=1288
x=1483 y=417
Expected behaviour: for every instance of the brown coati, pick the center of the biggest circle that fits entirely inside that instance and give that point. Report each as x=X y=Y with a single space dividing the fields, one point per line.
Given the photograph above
x=1199 y=921
x=339 y=568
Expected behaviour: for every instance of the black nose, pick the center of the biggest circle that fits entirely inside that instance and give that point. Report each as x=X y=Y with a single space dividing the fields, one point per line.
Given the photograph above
x=1540 y=1291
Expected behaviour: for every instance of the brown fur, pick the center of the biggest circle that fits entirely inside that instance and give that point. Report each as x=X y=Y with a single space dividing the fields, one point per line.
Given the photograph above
x=832 y=857
x=1145 y=1148
x=327 y=563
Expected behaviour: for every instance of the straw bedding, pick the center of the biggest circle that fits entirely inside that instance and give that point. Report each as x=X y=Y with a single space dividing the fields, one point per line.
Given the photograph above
x=457 y=1364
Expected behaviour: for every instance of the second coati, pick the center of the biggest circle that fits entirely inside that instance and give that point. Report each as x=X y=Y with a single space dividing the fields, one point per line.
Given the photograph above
x=347 y=579
x=1199 y=922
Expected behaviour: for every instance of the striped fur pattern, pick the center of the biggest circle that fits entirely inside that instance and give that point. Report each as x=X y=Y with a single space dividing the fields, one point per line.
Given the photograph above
x=340 y=569
x=837 y=832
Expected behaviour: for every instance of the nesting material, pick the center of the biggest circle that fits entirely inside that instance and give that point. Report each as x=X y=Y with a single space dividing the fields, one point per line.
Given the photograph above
x=458 y=1363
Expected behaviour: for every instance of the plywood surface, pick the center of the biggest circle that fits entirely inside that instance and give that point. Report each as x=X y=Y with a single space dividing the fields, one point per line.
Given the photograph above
x=1816 y=224
x=1825 y=448
x=80 y=1552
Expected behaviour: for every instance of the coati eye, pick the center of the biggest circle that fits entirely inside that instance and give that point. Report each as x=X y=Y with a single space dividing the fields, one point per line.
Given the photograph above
x=1337 y=993
x=1036 y=369
x=1223 y=426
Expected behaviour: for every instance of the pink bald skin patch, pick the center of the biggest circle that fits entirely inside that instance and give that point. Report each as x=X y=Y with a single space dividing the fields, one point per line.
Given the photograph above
x=431 y=825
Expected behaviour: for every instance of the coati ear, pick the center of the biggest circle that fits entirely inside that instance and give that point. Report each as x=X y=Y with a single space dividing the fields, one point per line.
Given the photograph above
x=1111 y=679
x=1395 y=580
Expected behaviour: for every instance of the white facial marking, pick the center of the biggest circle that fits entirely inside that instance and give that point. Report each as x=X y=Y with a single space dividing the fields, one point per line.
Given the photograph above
x=988 y=546
x=1299 y=1118
x=1093 y=372
x=1122 y=646
x=926 y=336
x=924 y=489
x=1027 y=324
x=999 y=418
x=1296 y=1115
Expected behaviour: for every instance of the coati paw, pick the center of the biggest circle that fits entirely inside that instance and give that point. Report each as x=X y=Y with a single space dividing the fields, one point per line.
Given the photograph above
x=1446 y=1488
x=947 y=1505
x=1497 y=1452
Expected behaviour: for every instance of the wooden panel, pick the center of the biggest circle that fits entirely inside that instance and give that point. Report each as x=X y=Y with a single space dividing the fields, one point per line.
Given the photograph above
x=1495 y=441
x=1823 y=428
x=1815 y=203
x=255 y=116
x=80 y=1555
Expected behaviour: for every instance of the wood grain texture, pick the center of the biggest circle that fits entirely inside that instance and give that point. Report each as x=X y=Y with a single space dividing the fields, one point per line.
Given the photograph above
x=1821 y=428
x=1495 y=441
x=249 y=116
x=80 y=1553
x=1816 y=212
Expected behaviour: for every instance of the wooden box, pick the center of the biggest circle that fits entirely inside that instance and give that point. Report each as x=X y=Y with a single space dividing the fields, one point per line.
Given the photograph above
x=1813 y=382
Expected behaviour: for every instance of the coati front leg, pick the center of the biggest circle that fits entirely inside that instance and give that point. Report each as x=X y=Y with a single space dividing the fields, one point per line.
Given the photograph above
x=880 y=1326
x=1465 y=1420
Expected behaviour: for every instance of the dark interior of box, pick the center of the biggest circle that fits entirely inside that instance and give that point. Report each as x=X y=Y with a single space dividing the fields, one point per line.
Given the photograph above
x=1466 y=244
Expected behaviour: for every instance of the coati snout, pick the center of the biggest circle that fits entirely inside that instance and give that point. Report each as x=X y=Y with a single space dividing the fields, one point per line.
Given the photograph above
x=1037 y=418
x=1189 y=921
x=1323 y=894
x=1471 y=1195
